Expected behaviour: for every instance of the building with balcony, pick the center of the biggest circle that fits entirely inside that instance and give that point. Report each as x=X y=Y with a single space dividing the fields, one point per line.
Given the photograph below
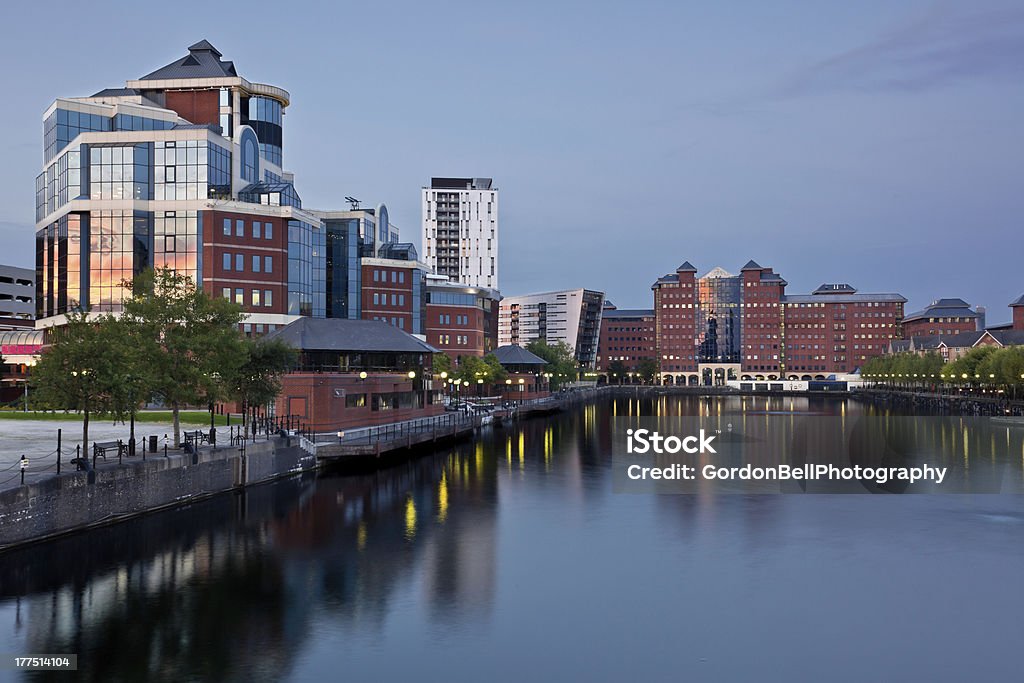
x=17 y=298
x=460 y=230
x=571 y=316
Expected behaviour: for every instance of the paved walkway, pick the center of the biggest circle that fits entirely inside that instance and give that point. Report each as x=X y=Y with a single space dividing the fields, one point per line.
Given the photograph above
x=37 y=439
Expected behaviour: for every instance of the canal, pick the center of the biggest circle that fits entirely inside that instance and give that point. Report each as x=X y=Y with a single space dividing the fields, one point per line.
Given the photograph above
x=511 y=558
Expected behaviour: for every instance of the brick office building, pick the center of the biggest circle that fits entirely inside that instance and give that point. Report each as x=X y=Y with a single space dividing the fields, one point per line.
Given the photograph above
x=722 y=327
x=393 y=288
x=942 y=317
x=627 y=336
x=461 y=320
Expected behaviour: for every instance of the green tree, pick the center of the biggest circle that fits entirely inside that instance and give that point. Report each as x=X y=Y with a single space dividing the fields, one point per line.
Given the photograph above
x=616 y=371
x=84 y=368
x=257 y=381
x=442 y=362
x=473 y=368
x=561 y=361
x=187 y=337
x=648 y=370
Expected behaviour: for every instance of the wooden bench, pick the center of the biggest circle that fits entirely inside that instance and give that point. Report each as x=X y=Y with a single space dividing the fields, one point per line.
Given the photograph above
x=100 y=448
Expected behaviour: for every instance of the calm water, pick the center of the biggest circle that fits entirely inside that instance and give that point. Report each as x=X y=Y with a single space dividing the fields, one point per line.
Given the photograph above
x=512 y=559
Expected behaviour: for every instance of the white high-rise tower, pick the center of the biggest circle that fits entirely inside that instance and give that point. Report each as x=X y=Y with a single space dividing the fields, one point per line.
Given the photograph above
x=460 y=229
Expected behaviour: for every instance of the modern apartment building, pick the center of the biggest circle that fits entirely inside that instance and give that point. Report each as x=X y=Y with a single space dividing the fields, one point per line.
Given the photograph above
x=572 y=316
x=460 y=230
x=722 y=326
x=181 y=168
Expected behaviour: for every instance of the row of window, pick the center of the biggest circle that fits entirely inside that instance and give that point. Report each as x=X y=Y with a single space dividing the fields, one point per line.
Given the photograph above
x=446 y=319
x=239 y=263
x=397 y=276
x=259 y=229
x=257 y=297
x=382 y=299
x=446 y=340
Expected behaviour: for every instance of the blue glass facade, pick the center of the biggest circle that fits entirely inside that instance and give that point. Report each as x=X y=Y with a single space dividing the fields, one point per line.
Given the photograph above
x=120 y=171
x=307 y=275
x=60 y=183
x=264 y=115
x=344 y=272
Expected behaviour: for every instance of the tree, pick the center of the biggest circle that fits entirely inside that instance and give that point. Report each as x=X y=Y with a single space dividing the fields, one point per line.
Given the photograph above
x=473 y=368
x=442 y=362
x=257 y=381
x=187 y=337
x=560 y=358
x=616 y=371
x=647 y=369
x=84 y=368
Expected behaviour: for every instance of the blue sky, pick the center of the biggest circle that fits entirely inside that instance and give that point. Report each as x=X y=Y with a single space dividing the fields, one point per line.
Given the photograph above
x=875 y=143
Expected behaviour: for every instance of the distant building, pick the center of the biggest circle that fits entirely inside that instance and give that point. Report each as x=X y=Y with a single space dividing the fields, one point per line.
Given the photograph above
x=942 y=317
x=461 y=320
x=17 y=297
x=526 y=376
x=723 y=327
x=572 y=316
x=627 y=336
x=460 y=230
x=20 y=349
x=952 y=346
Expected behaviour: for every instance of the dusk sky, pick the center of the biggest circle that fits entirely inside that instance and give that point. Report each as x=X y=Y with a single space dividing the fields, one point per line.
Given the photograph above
x=875 y=143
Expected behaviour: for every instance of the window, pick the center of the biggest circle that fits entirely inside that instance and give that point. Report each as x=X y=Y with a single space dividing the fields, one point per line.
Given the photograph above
x=376 y=298
x=239 y=228
x=268 y=231
x=227 y=261
x=255 y=263
x=256 y=230
x=376 y=276
x=255 y=297
x=268 y=298
x=394 y=300
x=401 y=299
x=239 y=262
x=268 y=264
x=227 y=227
x=238 y=296
x=401 y=276
x=226 y=293
x=394 y=276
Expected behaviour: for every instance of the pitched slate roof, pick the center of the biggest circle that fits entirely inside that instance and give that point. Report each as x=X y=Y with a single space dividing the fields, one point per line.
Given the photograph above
x=687 y=267
x=336 y=334
x=202 y=61
x=751 y=265
x=943 y=308
x=517 y=355
x=1018 y=302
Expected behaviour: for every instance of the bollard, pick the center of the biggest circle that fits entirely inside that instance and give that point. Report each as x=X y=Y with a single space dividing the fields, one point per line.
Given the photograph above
x=165 y=445
x=58 y=451
x=24 y=466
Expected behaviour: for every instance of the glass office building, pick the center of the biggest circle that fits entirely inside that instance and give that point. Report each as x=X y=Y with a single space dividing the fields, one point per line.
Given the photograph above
x=146 y=175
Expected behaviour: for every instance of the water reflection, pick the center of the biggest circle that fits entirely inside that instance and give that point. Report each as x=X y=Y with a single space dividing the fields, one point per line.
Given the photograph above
x=513 y=552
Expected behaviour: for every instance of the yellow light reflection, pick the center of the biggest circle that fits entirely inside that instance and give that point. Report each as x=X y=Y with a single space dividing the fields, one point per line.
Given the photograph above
x=442 y=500
x=410 y=518
x=361 y=536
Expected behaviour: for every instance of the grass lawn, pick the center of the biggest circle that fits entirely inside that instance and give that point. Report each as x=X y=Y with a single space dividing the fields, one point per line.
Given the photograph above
x=192 y=417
